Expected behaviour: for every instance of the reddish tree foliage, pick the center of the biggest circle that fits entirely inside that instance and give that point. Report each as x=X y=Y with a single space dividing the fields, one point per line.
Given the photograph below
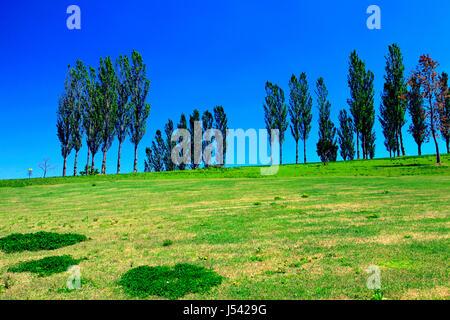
x=433 y=95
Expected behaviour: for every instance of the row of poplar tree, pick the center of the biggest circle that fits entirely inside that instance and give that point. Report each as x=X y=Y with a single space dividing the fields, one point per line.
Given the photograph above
x=101 y=105
x=425 y=95
x=159 y=155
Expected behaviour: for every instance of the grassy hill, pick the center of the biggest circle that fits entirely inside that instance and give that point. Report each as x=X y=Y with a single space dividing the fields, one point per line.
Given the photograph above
x=309 y=232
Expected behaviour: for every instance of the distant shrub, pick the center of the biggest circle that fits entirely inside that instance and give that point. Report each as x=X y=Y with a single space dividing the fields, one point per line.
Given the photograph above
x=89 y=170
x=278 y=198
x=172 y=283
x=257 y=203
x=305 y=195
x=18 y=242
x=167 y=243
x=372 y=216
x=47 y=266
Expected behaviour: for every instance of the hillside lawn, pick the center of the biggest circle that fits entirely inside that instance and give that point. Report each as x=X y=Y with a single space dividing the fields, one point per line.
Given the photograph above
x=310 y=232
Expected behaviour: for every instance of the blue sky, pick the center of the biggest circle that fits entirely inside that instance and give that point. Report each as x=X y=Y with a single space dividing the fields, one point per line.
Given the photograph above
x=199 y=54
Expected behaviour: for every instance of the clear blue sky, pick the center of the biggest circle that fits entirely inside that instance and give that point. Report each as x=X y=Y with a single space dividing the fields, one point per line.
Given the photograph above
x=199 y=54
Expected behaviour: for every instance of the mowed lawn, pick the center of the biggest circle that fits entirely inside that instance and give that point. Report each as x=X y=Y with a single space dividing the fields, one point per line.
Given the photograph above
x=303 y=234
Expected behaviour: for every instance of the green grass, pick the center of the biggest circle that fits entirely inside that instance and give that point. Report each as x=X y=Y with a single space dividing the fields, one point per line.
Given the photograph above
x=46 y=266
x=172 y=283
x=316 y=242
x=18 y=242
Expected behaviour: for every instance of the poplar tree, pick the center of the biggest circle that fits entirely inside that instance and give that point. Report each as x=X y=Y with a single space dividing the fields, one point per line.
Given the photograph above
x=367 y=116
x=123 y=72
x=444 y=112
x=355 y=80
x=91 y=125
x=155 y=154
x=394 y=106
x=418 y=127
x=326 y=146
x=64 y=130
x=195 y=151
x=300 y=105
x=182 y=125
x=275 y=114
x=221 y=124
x=168 y=146
x=345 y=134
x=79 y=95
x=139 y=109
x=431 y=92
x=108 y=110
x=207 y=124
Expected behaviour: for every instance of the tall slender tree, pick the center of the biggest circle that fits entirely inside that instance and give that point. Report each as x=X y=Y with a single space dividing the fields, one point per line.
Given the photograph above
x=393 y=113
x=140 y=109
x=155 y=154
x=326 y=146
x=367 y=118
x=79 y=94
x=123 y=72
x=90 y=125
x=355 y=83
x=300 y=106
x=221 y=123
x=195 y=150
x=418 y=127
x=168 y=146
x=345 y=134
x=108 y=113
x=429 y=80
x=275 y=113
x=64 y=130
x=183 y=126
x=207 y=124
x=444 y=112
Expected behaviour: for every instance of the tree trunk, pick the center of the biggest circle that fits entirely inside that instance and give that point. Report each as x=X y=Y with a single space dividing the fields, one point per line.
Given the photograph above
x=390 y=153
x=87 y=163
x=76 y=162
x=357 y=144
x=401 y=143
x=281 y=154
x=438 y=156
x=304 y=150
x=419 y=149
x=135 y=158
x=65 y=166
x=104 y=162
x=447 y=140
x=296 y=152
x=93 y=164
x=118 y=158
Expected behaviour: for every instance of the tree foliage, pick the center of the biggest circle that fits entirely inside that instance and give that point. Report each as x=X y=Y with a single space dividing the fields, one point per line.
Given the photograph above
x=123 y=73
x=326 y=146
x=300 y=106
x=434 y=98
x=139 y=109
x=418 y=127
x=221 y=124
x=393 y=108
x=345 y=136
x=108 y=105
x=275 y=113
x=155 y=155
